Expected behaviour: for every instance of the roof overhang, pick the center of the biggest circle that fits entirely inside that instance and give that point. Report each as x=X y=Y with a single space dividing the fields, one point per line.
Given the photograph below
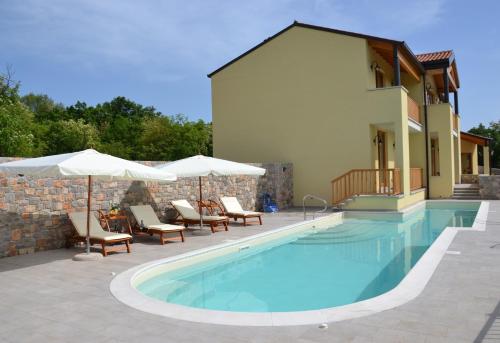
x=475 y=139
x=436 y=69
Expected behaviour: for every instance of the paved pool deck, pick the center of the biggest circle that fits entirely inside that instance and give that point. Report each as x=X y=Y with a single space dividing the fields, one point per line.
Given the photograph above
x=47 y=297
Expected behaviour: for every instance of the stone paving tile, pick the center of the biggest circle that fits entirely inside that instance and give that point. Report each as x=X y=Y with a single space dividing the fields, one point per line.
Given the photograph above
x=47 y=297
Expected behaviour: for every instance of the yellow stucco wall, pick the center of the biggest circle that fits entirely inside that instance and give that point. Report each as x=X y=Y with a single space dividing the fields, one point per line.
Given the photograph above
x=457 y=152
x=305 y=97
x=417 y=151
x=486 y=154
x=471 y=148
x=440 y=126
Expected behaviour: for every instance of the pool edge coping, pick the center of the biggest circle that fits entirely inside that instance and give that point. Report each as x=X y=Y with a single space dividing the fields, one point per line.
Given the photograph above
x=408 y=289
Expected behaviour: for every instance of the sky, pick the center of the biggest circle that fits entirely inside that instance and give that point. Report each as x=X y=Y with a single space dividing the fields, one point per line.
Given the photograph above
x=159 y=52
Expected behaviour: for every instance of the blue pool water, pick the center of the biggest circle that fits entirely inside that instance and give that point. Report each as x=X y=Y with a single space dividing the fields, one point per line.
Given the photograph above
x=353 y=261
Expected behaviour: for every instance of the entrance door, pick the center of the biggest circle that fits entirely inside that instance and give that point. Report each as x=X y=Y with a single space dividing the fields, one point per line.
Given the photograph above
x=466 y=163
x=382 y=150
x=382 y=157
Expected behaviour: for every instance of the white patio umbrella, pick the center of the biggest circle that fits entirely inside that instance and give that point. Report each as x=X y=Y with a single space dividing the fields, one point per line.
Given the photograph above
x=200 y=165
x=90 y=163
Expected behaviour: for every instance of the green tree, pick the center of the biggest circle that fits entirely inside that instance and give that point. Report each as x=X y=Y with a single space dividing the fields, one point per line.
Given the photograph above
x=16 y=119
x=191 y=138
x=493 y=132
x=157 y=139
x=36 y=125
x=70 y=135
x=119 y=123
x=44 y=108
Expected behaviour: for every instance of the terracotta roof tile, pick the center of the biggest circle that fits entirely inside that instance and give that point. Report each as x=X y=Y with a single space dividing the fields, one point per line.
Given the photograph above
x=434 y=56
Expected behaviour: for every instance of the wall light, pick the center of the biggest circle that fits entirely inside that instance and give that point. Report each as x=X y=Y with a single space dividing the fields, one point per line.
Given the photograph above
x=375 y=66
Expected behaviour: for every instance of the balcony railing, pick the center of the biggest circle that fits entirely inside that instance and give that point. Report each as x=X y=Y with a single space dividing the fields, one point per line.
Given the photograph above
x=416 y=178
x=414 y=110
x=366 y=182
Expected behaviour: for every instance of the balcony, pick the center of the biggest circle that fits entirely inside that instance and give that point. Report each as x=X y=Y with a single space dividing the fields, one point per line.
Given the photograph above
x=416 y=178
x=414 y=111
x=366 y=182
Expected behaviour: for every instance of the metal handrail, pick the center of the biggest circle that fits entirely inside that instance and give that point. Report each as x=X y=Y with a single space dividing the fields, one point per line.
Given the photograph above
x=310 y=196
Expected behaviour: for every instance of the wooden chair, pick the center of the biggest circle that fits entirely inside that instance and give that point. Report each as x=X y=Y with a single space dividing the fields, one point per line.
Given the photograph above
x=147 y=223
x=107 y=240
x=188 y=215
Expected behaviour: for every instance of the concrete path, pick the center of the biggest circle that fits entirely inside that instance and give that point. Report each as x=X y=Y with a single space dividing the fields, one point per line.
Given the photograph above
x=46 y=297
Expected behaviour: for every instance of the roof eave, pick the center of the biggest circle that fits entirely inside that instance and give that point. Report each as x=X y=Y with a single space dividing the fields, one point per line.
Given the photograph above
x=251 y=50
x=325 y=29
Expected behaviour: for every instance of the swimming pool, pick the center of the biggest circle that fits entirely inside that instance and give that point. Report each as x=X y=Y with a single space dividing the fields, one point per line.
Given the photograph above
x=335 y=262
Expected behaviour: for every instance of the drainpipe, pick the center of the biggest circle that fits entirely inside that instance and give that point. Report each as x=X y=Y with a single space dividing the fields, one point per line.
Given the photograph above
x=426 y=133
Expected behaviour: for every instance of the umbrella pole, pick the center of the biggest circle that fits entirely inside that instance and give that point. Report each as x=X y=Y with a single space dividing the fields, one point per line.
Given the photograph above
x=88 y=215
x=200 y=205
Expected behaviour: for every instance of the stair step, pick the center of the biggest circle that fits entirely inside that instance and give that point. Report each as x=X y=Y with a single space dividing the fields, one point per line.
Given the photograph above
x=466 y=186
x=469 y=197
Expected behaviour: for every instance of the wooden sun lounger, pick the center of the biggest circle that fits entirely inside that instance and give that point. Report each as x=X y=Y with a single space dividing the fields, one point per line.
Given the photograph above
x=108 y=240
x=233 y=209
x=147 y=223
x=188 y=216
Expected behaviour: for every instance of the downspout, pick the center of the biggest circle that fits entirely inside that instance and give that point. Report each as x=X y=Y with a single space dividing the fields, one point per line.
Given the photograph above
x=426 y=132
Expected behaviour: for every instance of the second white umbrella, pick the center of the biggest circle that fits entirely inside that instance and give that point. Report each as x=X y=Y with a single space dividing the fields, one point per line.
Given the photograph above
x=200 y=165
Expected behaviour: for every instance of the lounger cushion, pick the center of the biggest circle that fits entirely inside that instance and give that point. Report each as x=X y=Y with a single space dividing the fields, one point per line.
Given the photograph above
x=212 y=218
x=245 y=213
x=232 y=206
x=188 y=212
x=166 y=227
x=110 y=236
x=146 y=215
x=79 y=220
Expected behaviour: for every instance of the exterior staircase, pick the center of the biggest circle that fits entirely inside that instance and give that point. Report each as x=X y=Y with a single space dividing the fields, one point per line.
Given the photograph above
x=466 y=191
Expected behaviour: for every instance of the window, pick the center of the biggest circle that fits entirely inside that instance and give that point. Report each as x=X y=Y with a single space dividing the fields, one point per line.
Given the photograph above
x=435 y=157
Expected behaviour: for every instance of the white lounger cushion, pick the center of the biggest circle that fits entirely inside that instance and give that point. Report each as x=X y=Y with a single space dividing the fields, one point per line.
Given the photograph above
x=79 y=220
x=147 y=215
x=232 y=205
x=166 y=227
x=188 y=212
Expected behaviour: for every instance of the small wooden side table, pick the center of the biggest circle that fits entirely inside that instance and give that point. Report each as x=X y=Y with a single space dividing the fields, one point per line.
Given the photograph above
x=110 y=221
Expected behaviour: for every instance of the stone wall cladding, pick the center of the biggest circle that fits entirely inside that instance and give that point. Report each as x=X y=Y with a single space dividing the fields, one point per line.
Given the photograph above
x=33 y=211
x=470 y=178
x=489 y=187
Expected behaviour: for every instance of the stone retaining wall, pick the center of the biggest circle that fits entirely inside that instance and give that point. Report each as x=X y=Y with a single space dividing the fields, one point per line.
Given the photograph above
x=470 y=178
x=489 y=187
x=33 y=212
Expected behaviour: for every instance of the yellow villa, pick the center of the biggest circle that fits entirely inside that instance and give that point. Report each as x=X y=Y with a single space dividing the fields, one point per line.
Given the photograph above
x=366 y=123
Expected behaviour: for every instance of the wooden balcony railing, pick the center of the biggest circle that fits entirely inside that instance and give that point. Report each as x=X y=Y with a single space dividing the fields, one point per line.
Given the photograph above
x=455 y=122
x=414 y=110
x=416 y=178
x=366 y=182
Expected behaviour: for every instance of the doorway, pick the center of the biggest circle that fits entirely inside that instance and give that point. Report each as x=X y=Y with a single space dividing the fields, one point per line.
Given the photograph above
x=466 y=163
x=382 y=159
x=382 y=149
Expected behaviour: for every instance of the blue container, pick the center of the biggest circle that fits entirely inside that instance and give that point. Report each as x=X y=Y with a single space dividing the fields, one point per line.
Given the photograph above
x=269 y=205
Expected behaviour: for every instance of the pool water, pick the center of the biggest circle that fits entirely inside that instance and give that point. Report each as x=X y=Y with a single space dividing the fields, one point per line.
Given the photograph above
x=350 y=262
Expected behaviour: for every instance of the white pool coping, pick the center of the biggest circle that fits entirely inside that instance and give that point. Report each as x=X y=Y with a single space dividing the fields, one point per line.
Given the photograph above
x=409 y=288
